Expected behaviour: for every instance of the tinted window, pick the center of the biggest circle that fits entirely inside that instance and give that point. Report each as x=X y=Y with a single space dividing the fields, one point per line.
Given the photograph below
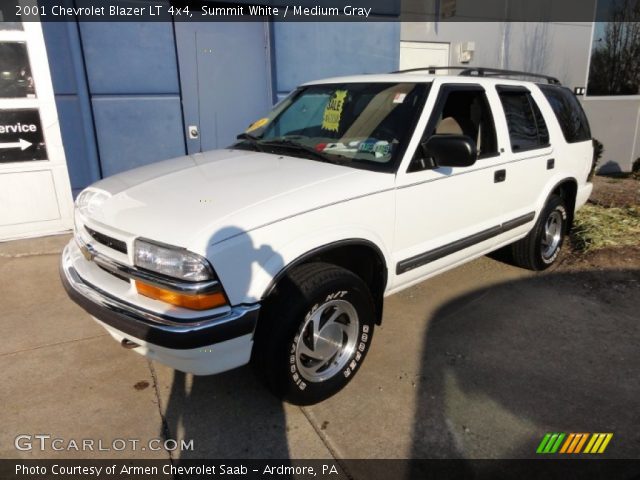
x=467 y=112
x=569 y=113
x=527 y=128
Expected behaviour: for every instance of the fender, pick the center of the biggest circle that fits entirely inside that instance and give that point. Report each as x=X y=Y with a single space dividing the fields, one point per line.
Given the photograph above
x=546 y=193
x=325 y=248
x=250 y=264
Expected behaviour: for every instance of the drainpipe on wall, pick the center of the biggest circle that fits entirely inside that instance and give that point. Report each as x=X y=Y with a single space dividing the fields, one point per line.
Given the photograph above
x=506 y=30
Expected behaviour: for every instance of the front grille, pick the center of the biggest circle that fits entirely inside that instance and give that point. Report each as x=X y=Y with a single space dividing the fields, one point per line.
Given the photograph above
x=117 y=275
x=107 y=241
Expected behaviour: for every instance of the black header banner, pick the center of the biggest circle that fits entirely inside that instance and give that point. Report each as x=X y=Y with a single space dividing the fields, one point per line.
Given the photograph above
x=319 y=10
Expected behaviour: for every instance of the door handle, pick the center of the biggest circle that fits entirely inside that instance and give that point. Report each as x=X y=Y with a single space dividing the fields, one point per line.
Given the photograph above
x=499 y=176
x=551 y=163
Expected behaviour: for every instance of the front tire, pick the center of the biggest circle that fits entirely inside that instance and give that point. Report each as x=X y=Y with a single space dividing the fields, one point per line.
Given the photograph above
x=315 y=333
x=541 y=247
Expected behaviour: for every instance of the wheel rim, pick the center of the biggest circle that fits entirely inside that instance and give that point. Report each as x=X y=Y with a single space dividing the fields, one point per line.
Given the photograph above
x=552 y=235
x=327 y=340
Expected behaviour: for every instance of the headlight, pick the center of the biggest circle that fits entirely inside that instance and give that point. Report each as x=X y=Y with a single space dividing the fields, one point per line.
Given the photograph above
x=89 y=201
x=171 y=261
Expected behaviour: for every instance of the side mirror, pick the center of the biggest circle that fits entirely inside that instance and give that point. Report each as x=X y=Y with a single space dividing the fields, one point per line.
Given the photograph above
x=450 y=150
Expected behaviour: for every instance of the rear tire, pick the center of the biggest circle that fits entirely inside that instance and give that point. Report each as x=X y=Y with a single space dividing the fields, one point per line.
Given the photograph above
x=541 y=247
x=314 y=333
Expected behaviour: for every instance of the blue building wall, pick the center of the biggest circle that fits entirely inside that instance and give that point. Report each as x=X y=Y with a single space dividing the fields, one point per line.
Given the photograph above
x=67 y=69
x=308 y=51
x=132 y=72
x=118 y=92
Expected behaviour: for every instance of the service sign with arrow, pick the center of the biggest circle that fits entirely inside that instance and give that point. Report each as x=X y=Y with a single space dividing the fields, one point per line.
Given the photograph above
x=21 y=137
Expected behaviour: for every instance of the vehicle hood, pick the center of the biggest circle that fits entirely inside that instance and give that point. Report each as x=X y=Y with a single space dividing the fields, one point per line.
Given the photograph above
x=185 y=200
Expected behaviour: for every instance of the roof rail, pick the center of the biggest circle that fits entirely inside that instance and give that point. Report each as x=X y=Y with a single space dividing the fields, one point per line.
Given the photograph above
x=484 y=72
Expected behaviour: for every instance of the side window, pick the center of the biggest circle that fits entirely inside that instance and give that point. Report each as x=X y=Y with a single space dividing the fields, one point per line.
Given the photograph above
x=467 y=112
x=569 y=112
x=527 y=128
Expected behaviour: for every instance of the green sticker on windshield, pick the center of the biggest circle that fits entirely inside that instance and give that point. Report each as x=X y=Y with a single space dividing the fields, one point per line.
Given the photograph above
x=333 y=111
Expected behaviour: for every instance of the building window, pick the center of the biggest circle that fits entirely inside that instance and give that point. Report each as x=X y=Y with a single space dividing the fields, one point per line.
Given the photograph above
x=615 y=52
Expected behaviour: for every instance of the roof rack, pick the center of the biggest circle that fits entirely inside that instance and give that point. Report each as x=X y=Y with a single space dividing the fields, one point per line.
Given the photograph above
x=484 y=72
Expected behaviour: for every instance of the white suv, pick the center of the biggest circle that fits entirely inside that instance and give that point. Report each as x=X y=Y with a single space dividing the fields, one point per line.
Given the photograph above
x=280 y=248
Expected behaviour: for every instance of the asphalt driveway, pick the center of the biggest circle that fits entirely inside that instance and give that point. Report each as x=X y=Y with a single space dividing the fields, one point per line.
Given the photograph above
x=479 y=362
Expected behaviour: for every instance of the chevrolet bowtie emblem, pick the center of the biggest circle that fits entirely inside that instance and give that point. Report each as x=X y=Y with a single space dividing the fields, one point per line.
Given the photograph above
x=86 y=250
x=88 y=254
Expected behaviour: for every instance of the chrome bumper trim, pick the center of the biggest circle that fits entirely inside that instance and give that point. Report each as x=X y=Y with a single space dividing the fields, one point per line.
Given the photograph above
x=163 y=330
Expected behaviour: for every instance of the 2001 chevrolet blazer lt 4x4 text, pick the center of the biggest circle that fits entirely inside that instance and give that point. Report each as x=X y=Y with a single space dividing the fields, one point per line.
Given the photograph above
x=280 y=249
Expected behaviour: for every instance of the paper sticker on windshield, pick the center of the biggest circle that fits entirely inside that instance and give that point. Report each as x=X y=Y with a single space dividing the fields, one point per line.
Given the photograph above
x=379 y=148
x=399 y=98
x=257 y=124
x=333 y=111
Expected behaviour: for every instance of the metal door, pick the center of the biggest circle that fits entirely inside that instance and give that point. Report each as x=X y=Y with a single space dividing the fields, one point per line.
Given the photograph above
x=424 y=54
x=225 y=79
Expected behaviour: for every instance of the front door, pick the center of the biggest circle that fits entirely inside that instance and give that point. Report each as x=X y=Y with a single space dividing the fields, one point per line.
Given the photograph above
x=446 y=215
x=225 y=79
x=35 y=195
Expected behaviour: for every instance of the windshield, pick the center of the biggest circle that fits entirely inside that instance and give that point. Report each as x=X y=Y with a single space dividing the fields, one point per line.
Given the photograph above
x=364 y=125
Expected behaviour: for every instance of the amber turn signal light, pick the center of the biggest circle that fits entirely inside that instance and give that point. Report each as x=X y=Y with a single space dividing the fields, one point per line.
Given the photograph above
x=200 y=301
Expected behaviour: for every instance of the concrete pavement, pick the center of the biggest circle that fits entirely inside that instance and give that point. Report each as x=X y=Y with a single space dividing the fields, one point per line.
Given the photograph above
x=479 y=362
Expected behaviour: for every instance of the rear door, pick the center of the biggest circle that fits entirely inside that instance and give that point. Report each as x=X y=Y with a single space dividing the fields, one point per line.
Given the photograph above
x=447 y=215
x=530 y=156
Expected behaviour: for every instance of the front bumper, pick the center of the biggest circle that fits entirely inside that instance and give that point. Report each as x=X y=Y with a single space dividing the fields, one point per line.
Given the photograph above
x=200 y=345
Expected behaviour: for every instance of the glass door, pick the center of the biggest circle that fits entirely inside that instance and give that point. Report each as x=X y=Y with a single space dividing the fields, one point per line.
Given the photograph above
x=35 y=195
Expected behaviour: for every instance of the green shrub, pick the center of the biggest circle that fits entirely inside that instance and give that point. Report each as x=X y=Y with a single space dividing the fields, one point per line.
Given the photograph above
x=598 y=151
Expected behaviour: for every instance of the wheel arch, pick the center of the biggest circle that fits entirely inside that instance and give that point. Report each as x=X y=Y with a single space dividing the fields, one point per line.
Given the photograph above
x=360 y=256
x=567 y=189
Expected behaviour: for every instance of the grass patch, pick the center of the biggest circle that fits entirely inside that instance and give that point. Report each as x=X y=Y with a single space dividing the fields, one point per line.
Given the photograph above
x=597 y=227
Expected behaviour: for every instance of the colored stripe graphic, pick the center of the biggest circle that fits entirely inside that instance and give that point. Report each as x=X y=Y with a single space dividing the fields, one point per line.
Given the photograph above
x=550 y=443
x=574 y=443
x=598 y=442
x=543 y=443
x=556 y=445
x=577 y=438
x=568 y=442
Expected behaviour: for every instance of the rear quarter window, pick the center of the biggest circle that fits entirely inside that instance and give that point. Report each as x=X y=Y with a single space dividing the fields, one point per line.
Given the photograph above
x=569 y=112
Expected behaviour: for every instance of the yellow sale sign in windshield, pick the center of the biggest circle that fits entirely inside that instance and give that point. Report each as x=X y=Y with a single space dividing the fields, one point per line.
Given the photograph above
x=333 y=111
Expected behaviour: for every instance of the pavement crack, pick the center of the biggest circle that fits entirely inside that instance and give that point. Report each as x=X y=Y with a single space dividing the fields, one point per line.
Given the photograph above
x=39 y=347
x=166 y=433
x=29 y=254
x=327 y=444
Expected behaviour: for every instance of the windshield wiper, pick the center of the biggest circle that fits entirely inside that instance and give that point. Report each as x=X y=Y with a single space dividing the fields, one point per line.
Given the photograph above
x=290 y=144
x=252 y=139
